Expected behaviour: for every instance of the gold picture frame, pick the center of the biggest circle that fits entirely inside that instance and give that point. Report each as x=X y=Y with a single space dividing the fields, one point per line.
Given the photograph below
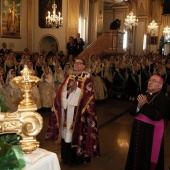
x=10 y=19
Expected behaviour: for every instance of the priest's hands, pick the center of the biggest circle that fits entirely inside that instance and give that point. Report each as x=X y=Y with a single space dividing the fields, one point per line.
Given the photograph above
x=72 y=87
x=142 y=99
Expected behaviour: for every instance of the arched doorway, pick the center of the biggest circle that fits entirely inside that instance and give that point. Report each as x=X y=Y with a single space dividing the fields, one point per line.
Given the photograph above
x=46 y=42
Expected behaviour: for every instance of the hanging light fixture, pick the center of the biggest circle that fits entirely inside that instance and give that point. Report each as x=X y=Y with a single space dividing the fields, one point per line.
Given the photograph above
x=152 y=26
x=166 y=31
x=53 y=20
x=131 y=20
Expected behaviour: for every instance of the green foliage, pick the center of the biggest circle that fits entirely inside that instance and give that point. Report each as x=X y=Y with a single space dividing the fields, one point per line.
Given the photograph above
x=11 y=154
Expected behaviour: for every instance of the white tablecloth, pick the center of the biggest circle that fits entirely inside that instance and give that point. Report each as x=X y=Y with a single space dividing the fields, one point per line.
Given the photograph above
x=41 y=159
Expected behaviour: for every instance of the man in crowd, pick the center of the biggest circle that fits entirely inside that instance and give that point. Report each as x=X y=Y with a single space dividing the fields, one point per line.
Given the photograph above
x=80 y=43
x=4 y=49
x=71 y=47
x=52 y=51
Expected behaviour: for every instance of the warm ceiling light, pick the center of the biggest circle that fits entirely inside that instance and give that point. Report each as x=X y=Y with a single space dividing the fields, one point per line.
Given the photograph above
x=153 y=25
x=131 y=20
x=53 y=20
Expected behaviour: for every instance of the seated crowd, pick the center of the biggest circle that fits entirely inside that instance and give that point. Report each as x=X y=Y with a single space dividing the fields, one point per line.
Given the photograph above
x=113 y=76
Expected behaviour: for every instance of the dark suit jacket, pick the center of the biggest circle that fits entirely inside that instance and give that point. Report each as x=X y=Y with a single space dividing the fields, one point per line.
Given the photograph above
x=2 y=51
x=80 y=43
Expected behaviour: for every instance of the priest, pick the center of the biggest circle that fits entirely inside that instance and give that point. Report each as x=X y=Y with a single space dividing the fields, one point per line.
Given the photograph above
x=76 y=115
x=146 y=150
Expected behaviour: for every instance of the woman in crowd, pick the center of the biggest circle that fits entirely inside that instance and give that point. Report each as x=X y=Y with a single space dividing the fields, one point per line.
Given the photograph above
x=5 y=98
x=144 y=74
x=46 y=88
x=10 y=63
x=160 y=70
x=107 y=76
x=87 y=68
x=119 y=78
x=132 y=87
x=58 y=77
x=67 y=70
x=35 y=92
x=23 y=62
x=127 y=61
x=35 y=59
x=55 y=62
x=49 y=62
x=40 y=64
x=13 y=90
x=52 y=131
x=100 y=90
x=92 y=61
x=71 y=60
x=63 y=61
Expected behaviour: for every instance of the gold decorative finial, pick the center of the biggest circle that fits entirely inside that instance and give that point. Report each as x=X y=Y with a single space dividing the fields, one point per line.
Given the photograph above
x=26 y=82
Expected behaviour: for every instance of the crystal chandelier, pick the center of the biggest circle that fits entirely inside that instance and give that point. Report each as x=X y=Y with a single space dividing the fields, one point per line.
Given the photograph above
x=153 y=25
x=131 y=20
x=53 y=20
x=166 y=31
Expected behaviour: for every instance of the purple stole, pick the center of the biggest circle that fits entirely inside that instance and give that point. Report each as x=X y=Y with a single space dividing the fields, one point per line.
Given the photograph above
x=157 y=137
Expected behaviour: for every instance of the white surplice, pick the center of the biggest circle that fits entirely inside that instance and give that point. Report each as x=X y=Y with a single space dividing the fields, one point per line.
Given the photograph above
x=68 y=104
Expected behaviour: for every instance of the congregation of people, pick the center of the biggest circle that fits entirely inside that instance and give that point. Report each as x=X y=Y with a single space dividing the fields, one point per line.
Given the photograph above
x=115 y=76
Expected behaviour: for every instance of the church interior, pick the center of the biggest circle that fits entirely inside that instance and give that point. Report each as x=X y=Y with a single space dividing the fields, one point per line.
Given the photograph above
x=112 y=31
x=91 y=19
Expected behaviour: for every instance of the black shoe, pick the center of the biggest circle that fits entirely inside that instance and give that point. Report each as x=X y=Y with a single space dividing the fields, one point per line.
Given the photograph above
x=87 y=159
x=79 y=161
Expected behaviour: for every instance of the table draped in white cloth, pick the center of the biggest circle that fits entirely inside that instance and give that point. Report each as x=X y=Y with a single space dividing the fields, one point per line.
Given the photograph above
x=41 y=159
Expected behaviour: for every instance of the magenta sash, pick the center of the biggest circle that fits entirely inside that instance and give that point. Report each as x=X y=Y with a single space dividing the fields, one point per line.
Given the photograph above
x=157 y=136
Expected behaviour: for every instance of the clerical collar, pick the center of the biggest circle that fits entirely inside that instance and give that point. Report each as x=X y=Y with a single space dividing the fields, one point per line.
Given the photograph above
x=78 y=75
x=153 y=93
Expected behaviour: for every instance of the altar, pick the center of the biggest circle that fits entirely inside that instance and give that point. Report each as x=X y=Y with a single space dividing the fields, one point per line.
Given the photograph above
x=41 y=159
x=18 y=130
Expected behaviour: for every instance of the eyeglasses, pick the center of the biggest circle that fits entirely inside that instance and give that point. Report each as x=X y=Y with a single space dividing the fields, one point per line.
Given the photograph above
x=77 y=63
x=153 y=81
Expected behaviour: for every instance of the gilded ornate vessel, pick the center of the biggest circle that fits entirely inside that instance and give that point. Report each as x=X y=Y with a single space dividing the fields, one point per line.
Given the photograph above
x=25 y=121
